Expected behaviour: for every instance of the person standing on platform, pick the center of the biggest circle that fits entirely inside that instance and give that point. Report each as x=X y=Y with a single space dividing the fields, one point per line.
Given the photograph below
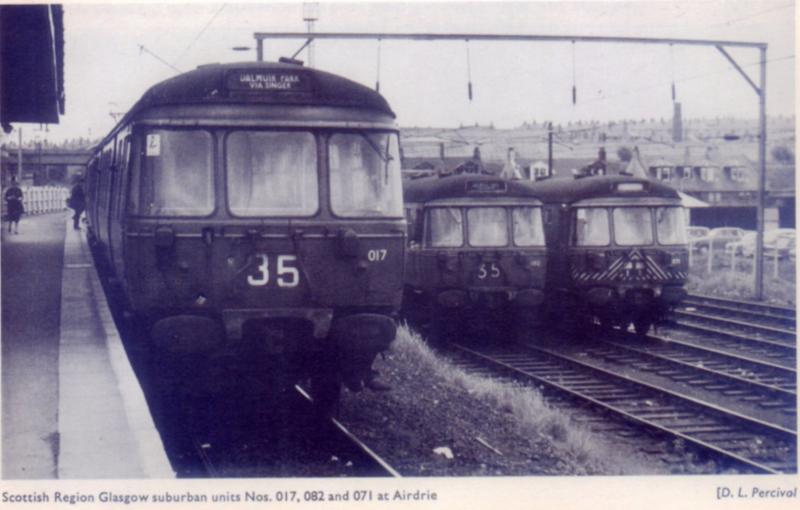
x=77 y=202
x=13 y=196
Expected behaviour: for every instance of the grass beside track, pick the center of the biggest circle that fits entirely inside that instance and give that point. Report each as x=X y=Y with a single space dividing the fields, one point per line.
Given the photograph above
x=526 y=405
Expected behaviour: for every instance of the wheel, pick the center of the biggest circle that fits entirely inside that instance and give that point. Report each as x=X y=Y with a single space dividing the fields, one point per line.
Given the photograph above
x=605 y=326
x=642 y=325
x=528 y=322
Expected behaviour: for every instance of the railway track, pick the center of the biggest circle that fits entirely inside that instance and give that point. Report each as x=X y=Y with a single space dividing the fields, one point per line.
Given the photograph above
x=732 y=439
x=758 y=312
x=773 y=379
x=729 y=344
x=757 y=332
x=369 y=460
x=323 y=440
x=761 y=392
x=780 y=338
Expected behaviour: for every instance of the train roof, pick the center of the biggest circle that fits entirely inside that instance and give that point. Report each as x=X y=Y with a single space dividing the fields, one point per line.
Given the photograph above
x=465 y=185
x=573 y=190
x=261 y=83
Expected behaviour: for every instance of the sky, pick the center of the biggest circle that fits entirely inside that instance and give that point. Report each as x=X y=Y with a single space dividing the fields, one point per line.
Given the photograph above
x=426 y=82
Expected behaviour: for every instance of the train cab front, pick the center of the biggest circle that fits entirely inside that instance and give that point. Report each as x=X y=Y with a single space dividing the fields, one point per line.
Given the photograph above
x=628 y=262
x=480 y=260
x=276 y=255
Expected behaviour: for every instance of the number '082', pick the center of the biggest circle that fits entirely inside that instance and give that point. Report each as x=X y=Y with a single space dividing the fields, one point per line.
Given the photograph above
x=286 y=274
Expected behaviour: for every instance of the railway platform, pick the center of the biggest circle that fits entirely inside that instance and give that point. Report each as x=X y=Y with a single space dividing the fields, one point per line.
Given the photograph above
x=72 y=406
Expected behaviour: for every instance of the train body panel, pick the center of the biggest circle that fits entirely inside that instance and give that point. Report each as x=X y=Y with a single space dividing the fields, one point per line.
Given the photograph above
x=258 y=202
x=216 y=266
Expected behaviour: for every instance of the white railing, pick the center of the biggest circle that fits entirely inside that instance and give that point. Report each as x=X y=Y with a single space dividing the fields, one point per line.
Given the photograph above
x=777 y=262
x=42 y=199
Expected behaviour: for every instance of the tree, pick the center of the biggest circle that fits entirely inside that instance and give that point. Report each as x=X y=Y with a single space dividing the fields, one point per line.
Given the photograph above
x=624 y=154
x=783 y=154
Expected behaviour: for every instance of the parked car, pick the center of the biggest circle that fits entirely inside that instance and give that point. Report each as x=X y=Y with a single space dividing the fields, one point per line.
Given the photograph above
x=693 y=233
x=719 y=238
x=780 y=239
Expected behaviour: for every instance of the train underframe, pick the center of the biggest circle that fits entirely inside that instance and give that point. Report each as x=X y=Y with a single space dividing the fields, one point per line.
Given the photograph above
x=620 y=306
x=496 y=314
x=329 y=348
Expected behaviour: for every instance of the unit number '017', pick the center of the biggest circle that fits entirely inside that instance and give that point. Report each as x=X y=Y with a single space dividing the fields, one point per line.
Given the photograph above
x=288 y=276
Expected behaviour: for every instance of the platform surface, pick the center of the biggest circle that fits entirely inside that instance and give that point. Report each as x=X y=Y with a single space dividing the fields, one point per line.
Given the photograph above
x=72 y=406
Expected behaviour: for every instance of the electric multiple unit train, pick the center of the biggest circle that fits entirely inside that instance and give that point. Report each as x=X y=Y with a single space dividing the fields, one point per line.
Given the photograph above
x=476 y=255
x=257 y=203
x=261 y=204
x=617 y=250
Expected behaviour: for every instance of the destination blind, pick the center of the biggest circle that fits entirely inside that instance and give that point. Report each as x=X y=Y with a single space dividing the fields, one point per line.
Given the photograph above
x=268 y=81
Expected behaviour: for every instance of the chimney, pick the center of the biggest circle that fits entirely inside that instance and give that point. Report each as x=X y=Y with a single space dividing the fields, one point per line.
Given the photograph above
x=677 y=123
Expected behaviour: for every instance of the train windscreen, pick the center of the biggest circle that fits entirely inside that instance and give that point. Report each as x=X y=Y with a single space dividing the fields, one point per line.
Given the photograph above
x=632 y=226
x=365 y=175
x=445 y=227
x=671 y=225
x=175 y=177
x=591 y=227
x=527 y=223
x=272 y=173
x=487 y=226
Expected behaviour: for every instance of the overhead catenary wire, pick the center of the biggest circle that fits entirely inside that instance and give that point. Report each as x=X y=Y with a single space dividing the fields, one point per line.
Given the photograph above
x=672 y=72
x=142 y=49
x=574 y=87
x=469 y=73
x=688 y=78
x=753 y=15
x=199 y=34
x=378 y=69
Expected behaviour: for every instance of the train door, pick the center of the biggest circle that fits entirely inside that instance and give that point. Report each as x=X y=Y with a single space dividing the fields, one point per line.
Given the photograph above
x=92 y=176
x=117 y=205
x=414 y=236
x=102 y=196
x=557 y=232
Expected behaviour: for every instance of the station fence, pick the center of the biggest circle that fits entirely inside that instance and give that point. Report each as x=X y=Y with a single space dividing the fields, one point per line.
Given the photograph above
x=711 y=259
x=42 y=199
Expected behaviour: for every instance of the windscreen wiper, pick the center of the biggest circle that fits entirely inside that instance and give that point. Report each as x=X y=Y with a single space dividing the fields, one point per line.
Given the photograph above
x=384 y=157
